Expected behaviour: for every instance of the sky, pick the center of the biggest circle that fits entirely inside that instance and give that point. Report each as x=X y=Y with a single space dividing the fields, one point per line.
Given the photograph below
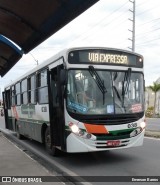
x=107 y=24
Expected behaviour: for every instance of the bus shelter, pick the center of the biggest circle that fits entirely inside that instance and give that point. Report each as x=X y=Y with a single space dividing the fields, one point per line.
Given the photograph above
x=24 y=24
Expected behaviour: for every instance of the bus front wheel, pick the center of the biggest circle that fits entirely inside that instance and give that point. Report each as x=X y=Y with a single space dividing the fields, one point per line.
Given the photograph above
x=51 y=150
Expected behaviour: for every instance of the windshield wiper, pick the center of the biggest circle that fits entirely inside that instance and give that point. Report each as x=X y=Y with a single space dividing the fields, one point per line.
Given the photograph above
x=115 y=75
x=98 y=80
x=125 y=84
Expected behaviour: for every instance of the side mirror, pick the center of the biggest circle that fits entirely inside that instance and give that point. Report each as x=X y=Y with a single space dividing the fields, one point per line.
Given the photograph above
x=63 y=76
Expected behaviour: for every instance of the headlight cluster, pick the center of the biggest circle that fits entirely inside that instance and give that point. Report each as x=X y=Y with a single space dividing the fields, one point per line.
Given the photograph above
x=138 y=130
x=76 y=130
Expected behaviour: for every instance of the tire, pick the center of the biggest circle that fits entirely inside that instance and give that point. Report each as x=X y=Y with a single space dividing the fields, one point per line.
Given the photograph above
x=51 y=150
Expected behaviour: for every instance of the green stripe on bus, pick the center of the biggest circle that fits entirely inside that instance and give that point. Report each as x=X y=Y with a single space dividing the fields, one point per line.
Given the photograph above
x=116 y=134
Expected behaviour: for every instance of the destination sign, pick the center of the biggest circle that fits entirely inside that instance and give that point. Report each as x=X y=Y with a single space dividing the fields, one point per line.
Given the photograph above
x=105 y=57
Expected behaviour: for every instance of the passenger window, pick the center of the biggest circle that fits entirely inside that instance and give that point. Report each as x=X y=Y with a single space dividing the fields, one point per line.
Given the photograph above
x=18 y=95
x=24 y=93
x=13 y=95
x=32 y=89
x=42 y=87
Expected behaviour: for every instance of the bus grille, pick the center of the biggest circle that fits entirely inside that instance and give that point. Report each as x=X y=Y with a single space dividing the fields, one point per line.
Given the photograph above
x=101 y=145
x=112 y=136
x=102 y=139
x=112 y=119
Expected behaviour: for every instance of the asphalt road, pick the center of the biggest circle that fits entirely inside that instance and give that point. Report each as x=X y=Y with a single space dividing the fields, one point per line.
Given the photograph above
x=153 y=124
x=139 y=161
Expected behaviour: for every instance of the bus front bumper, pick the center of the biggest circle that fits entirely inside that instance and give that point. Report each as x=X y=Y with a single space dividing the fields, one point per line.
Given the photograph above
x=77 y=144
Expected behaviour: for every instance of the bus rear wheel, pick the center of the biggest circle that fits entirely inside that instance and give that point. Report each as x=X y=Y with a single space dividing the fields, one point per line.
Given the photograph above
x=51 y=150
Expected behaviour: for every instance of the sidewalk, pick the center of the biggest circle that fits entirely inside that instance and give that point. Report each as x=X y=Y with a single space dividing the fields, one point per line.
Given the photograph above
x=14 y=162
x=152 y=133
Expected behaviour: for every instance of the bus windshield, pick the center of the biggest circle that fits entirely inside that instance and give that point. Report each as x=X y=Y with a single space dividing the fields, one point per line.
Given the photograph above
x=104 y=92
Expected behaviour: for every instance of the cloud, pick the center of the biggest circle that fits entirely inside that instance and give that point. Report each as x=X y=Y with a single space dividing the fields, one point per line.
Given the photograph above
x=105 y=24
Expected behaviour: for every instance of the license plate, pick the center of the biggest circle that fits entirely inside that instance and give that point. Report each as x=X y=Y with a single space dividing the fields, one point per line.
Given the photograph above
x=113 y=143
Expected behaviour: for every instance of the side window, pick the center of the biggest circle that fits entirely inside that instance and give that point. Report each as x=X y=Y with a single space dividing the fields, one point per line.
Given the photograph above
x=12 y=95
x=17 y=94
x=42 y=87
x=32 y=89
x=24 y=93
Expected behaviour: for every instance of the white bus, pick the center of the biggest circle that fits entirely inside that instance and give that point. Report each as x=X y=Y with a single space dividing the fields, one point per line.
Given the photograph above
x=80 y=100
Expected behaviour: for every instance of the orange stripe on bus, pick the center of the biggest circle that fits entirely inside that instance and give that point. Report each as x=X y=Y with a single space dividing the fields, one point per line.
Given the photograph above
x=96 y=129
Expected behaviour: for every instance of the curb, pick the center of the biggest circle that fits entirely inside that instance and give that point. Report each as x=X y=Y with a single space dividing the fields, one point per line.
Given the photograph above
x=61 y=171
x=152 y=133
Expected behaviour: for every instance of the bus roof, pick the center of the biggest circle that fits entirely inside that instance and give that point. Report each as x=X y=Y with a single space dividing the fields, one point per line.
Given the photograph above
x=39 y=67
x=59 y=55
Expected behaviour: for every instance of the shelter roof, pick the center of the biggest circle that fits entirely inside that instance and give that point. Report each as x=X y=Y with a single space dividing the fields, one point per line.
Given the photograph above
x=24 y=24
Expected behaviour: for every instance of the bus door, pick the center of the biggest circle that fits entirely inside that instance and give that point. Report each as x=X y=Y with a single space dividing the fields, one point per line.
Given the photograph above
x=56 y=107
x=7 y=109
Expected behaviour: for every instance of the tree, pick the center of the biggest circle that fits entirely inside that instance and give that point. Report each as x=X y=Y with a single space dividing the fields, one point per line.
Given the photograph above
x=155 y=88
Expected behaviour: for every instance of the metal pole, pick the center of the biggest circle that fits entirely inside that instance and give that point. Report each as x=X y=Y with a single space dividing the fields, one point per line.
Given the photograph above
x=133 y=25
x=133 y=43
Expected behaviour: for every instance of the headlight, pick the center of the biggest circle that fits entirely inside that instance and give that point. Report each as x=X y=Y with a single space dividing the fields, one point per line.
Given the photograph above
x=75 y=129
x=79 y=132
x=143 y=125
